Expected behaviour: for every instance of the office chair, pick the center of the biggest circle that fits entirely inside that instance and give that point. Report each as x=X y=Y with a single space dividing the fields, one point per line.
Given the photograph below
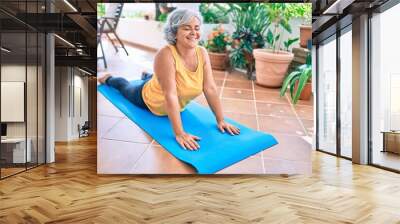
x=84 y=130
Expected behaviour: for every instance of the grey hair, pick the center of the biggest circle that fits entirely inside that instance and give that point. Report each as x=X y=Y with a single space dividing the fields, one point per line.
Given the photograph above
x=175 y=19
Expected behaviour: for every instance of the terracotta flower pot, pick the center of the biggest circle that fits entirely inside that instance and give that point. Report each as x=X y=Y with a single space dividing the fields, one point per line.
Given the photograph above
x=271 y=67
x=305 y=35
x=219 y=61
x=306 y=93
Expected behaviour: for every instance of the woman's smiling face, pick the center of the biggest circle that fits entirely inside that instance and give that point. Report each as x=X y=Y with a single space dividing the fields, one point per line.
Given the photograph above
x=189 y=34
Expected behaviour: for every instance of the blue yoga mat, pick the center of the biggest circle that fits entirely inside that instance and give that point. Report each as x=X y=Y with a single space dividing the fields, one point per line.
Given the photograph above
x=217 y=150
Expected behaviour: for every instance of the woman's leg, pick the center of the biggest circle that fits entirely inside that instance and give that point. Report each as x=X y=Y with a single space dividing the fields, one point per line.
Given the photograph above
x=117 y=83
x=131 y=91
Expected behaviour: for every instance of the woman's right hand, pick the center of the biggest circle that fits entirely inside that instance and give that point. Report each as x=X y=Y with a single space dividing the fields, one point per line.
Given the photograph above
x=188 y=141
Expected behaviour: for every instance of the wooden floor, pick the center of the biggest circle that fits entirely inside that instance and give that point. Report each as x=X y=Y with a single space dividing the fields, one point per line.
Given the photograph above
x=70 y=191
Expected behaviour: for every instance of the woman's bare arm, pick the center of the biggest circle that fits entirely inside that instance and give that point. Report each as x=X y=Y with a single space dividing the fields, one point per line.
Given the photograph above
x=211 y=94
x=210 y=89
x=165 y=70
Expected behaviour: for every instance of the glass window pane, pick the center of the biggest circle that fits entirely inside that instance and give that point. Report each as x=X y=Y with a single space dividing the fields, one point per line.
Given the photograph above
x=31 y=97
x=41 y=99
x=346 y=93
x=23 y=89
x=327 y=96
x=13 y=86
x=385 y=91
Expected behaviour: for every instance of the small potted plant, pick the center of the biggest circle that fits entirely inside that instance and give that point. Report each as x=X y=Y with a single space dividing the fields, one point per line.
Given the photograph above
x=272 y=63
x=217 y=47
x=299 y=82
x=304 y=11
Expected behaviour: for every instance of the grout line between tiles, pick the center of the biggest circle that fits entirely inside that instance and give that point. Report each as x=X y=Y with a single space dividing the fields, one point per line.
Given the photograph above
x=264 y=90
x=257 y=122
x=298 y=118
x=119 y=140
x=223 y=84
x=104 y=134
x=262 y=115
x=141 y=155
x=113 y=116
x=288 y=134
x=259 y=101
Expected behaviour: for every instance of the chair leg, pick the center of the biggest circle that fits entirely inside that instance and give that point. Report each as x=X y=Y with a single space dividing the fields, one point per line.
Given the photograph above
x=112 y=42
x=103 y=55
x=122 y=44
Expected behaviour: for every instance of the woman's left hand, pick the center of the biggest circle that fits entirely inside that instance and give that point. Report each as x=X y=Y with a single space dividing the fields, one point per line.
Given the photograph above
x=225 y=126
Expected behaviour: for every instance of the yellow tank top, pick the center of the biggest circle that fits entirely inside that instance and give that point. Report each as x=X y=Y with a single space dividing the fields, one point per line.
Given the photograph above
x=189 y=85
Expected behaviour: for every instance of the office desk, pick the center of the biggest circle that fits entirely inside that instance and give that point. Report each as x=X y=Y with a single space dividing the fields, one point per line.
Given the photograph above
x=391 y=141
x=15 y=148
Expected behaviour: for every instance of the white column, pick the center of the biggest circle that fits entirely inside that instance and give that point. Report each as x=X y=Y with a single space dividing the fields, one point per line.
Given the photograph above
x=360 y=90
x=50 y=99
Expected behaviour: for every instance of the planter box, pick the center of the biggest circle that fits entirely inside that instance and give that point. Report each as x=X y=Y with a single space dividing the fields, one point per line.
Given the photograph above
x=305 y=35
x=271 y=68
x=300 y=55
x=219 y=61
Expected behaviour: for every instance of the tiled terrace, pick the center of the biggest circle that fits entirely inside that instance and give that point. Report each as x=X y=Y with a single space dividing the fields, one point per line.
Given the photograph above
x=124 y=148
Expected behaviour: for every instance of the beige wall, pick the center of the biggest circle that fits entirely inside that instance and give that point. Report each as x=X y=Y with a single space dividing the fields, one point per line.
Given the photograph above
x=71 y=87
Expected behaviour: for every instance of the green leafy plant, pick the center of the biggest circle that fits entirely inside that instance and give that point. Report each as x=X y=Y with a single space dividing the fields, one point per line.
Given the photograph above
x=279 y=14
x=101 y=10
x=134 y=14
x=162 y=11
x=162 y=17
x=301 y=10
x=289 y=42
x=301 y=76
x=250 y=21
x=213 y=13
x=218 y=40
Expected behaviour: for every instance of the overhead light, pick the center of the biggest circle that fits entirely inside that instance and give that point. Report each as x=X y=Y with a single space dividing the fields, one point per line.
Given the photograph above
x=65 y=41
x=86 y=72
x=70 y=5
x=5 y=50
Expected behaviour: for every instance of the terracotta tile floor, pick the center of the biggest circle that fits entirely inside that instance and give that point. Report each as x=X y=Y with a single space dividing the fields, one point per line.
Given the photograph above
x=125 y=149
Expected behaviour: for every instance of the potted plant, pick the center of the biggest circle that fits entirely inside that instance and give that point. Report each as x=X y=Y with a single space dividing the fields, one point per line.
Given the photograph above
x=272 y=63
x=250 y=25
x=303 y=11
x=299 y=82
x=217 y=43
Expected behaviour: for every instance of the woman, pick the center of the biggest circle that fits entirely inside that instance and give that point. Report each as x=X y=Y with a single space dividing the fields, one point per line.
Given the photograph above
x=182 y=71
